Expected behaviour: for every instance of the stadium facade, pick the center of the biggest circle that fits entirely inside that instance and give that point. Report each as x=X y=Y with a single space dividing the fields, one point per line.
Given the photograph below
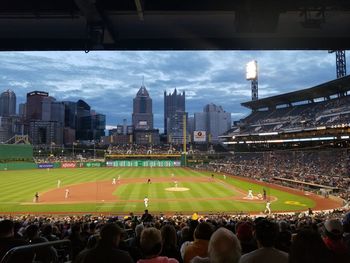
x=317 y=116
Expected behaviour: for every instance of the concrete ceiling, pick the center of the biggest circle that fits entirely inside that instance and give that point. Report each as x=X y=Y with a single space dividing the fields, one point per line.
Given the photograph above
x=174 y=25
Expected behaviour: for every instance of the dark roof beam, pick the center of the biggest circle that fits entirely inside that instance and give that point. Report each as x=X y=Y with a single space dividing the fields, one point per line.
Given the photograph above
x=97 y=23
x=139 y=8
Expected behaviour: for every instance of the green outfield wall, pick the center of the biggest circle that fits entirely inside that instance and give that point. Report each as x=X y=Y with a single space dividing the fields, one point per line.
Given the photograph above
x=16 y=152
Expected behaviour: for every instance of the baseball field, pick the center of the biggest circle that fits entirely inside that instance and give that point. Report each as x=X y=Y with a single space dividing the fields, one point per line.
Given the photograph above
x=92 y=190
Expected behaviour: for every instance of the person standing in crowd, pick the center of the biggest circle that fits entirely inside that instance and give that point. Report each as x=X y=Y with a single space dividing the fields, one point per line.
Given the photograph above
x=265 y=233
x=151 y=246
x=308 y=247
x=107 y=250
x=224 y=247
x=199 y=247
x=146 y=217
x=333 y=238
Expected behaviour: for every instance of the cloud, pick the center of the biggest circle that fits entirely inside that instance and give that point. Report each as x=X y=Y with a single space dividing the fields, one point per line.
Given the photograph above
x=108 y=81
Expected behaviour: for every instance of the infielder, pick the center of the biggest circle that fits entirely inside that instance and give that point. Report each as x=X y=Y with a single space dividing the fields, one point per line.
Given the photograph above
x=146 y=201
x=58 y=183
x=66 y=193
x=250 y=194
x=267 y=208
x=113 y=181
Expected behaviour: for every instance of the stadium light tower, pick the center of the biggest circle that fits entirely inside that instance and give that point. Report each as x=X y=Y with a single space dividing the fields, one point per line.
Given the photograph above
x=252 y=75
x=340 y=62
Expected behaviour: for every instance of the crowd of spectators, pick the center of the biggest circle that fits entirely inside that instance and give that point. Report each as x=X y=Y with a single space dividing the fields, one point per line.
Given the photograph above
x=217 y=238
x=325 y=113
x=328 y=168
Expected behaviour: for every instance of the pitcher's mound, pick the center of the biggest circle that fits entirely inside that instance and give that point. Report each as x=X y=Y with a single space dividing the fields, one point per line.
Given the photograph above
x=177 y=189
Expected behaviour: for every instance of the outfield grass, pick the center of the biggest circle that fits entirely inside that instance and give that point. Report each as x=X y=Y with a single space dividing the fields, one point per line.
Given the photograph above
x=18 y=188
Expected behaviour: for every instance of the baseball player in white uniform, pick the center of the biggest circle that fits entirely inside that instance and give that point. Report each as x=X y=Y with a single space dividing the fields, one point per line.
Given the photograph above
x=146 y=201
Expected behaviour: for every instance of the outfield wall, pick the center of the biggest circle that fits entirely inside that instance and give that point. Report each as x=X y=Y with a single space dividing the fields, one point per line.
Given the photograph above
x=17 y=166
x=115 y=163
x=16 y=152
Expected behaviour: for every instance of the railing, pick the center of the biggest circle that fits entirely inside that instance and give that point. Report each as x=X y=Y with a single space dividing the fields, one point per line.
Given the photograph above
x=35 y=247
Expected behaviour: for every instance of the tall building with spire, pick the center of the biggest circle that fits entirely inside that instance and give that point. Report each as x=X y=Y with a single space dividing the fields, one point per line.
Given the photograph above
x=7 y=103
x=174 y=112
x=142 y=116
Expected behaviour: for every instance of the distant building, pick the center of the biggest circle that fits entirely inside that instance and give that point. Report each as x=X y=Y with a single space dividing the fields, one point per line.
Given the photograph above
x=45 y=132
x=9 y=126
x=214 y=120
x=7 y=103
x=174 y=112
x=89 y=125
x=150 y=137
x=35 y=104
x=190 y=125
x=142 y=116
x=142 y=119
x=22 y=110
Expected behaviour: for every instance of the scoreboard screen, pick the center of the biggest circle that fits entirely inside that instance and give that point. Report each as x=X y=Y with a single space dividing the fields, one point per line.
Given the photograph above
x=143 y=163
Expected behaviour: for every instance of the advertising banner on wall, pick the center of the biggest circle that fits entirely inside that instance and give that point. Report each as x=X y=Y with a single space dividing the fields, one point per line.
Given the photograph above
x=199 y=136
x=68 y=165
x=92 y=164
x=45 y=165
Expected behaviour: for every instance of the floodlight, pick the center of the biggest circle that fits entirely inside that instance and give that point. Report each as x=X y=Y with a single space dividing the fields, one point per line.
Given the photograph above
x=252 y=70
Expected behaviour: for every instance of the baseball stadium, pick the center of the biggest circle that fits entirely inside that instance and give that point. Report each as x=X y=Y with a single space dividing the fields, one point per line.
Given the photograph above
x=266 y=180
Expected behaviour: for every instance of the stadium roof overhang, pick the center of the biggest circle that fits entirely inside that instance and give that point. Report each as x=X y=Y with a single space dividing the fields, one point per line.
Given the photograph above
x=337 y=86
x=172 y=24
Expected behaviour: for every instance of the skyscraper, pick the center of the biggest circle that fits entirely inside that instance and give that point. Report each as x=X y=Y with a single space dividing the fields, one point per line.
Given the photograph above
x=214 y=120
x=142 y=116
x=89 y=124
x=7 y=103
x=35 y=104
x=174 y=111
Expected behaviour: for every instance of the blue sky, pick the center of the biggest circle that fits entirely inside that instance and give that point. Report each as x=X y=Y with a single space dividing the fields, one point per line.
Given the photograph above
x=108 y=81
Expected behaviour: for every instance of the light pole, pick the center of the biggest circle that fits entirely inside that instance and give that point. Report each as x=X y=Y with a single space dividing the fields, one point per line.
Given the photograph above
x=94 y=151
x=252 y=75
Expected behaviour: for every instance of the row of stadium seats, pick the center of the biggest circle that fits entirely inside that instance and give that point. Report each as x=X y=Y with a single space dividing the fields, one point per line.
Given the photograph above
x=331 y=112
x=322 y=236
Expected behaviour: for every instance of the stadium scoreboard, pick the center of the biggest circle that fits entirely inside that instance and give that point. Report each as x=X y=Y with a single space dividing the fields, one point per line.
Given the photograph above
x=143 y=163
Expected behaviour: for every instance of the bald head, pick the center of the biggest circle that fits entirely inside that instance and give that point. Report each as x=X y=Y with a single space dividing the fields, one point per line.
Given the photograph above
x=224 y=247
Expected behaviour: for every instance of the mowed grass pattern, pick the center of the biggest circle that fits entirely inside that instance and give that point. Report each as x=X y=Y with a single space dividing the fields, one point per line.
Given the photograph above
x=18 y=188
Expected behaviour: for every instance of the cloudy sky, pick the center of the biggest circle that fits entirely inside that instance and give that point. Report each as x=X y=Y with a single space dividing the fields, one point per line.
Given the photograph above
x=108 y=81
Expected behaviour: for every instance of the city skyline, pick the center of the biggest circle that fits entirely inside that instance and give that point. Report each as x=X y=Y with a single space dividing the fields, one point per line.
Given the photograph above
x=109 y=80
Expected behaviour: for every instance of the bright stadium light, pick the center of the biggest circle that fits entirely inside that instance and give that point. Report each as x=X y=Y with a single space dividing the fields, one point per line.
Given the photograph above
x=252 y=70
